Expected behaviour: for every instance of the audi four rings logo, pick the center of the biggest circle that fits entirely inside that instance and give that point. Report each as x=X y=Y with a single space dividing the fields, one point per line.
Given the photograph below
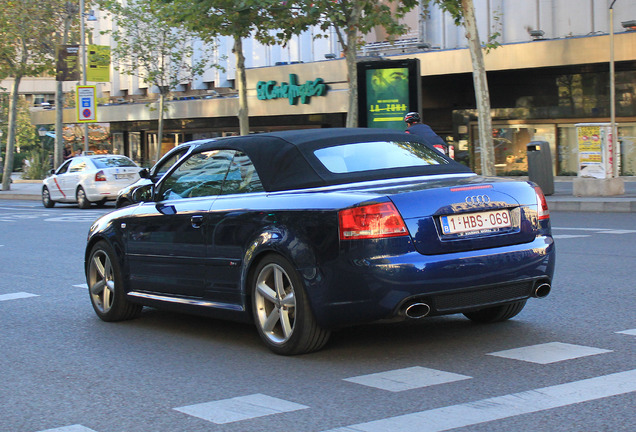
x=477 y=199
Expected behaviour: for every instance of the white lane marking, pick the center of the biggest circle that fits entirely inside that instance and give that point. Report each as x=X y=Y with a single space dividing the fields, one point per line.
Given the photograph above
x=407 y=378
x=85 y=286
x=74 y=218
x=15 y=296
x=29 y=209
x=598 y=230
x=496 y=408
x=73 y=428
x=568 y=236
x=551 y=352
x=631 y=332
x=240 y=408
x=84 y=216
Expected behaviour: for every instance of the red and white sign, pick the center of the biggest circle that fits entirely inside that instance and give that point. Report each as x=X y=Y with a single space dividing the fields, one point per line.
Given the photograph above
x=85 y=103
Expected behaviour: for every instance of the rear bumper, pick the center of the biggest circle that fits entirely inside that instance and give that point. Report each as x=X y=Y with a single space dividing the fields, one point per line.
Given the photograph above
x=355 y=290
x=98 y=192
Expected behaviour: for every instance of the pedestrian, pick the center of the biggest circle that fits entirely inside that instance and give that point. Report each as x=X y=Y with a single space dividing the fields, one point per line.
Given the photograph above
x=68 y=152
x=415 y=127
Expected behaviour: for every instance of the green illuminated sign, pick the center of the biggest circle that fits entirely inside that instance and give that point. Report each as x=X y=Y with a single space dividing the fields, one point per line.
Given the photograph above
x=387 y=97
x=268 y=90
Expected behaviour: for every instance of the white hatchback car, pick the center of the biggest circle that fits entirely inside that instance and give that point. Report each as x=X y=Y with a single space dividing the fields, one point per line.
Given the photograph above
x=89 y=179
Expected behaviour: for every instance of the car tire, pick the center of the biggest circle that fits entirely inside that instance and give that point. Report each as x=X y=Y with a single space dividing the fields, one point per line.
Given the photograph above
x=496 y=313
x=82 y=200
x=106 y=287
x=46 y=198
x=281 y=309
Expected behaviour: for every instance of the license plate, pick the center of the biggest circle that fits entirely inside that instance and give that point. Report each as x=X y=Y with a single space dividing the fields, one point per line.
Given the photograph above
x=475 y=222
x=122 y=176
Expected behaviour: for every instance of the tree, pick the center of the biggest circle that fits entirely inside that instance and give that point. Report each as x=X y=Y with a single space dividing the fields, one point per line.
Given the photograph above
x=463 y=12
x=351 y=20
x=26 y=32
x=160 y=55
x=269 y=21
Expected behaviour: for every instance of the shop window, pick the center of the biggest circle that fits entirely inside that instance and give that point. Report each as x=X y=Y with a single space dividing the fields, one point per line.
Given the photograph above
x=569 y=152
x=510 y=145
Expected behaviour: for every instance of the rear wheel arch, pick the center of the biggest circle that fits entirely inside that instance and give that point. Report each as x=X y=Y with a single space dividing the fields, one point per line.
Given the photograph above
x=286 y=323
x=260 y=249
x=84 y=202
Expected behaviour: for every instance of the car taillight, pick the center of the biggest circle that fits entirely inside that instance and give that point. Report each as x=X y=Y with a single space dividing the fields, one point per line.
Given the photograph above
x=371 y=221
x=100 y=176
x=542 y=204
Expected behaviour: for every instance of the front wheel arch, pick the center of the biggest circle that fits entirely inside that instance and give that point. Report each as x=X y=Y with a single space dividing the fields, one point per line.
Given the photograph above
x=106 y=285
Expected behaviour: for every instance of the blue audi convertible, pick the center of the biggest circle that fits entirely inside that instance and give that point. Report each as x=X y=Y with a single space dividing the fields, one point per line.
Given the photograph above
x=307 y=231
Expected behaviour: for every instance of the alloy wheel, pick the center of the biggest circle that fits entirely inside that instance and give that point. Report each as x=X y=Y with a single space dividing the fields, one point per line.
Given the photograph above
x=275 y=303
x=101 y=281
x=82 y=200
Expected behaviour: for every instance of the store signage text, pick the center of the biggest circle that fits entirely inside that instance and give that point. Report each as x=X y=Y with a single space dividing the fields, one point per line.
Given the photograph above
x=268 y=90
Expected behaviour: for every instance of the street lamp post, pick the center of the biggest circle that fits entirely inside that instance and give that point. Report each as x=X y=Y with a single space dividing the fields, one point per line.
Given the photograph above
x=84 y=58
x=615 y=143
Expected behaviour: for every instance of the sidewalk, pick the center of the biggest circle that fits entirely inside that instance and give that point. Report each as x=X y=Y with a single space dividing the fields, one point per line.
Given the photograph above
x=561 y=200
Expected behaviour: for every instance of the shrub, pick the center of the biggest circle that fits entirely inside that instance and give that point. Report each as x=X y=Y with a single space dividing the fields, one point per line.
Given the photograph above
x=38 y=165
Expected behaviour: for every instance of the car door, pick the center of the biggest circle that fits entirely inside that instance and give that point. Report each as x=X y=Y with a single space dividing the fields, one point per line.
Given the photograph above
x=232 y=223
x=54 y=184
x=70 y=180
x=167 y=238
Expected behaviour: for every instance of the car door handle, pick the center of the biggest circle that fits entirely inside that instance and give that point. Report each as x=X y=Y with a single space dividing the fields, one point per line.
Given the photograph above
x=196 y=221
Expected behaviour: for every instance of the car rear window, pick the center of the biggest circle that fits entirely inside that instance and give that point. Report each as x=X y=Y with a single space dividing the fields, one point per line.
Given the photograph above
x=369 y=156
x=112 y=161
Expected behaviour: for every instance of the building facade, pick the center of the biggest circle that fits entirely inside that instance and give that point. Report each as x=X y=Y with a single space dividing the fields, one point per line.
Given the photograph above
x=549 y=73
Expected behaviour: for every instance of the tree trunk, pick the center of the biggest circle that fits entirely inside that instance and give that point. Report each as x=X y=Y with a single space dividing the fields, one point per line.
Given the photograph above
x=241 y=85
x=162 y=103
x=350 y=57
x=350 y=47
x=482 y=95
x=58 y=149
x=13 y=113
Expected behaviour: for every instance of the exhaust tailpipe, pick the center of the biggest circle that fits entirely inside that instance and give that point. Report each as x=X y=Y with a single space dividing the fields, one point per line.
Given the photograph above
x=542 y=290
x=417 y=310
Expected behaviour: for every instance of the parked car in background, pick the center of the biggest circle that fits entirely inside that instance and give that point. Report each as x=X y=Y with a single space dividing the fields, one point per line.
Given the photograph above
x=89 y=179
x=303 y=232
x=124 y=197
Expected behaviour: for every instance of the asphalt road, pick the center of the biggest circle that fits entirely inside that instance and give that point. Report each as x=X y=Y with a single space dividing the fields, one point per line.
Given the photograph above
x=566 y=363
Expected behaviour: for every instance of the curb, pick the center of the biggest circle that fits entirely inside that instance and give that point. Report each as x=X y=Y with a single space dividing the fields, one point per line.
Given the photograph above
x=24 y=197
x=618 y=206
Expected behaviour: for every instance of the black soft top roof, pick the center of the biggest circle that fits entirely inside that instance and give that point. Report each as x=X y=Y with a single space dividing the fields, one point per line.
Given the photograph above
x=285 y=160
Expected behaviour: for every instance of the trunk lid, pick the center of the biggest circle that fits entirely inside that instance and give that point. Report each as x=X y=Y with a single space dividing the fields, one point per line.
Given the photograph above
x=467 y=214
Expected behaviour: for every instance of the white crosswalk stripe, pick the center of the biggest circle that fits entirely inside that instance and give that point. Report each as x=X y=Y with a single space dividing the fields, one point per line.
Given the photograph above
x=73 y=428
x=407 y=379
x=240 y=408
x=486 y=410
x=631 y=332
x=16 y=296
x=551 y=352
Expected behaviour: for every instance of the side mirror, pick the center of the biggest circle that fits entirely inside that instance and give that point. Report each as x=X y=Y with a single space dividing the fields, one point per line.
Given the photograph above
x=143 y=193
x=144 y=173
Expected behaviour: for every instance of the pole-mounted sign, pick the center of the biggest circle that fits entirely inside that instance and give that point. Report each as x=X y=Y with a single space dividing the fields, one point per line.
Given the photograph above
x=85 y=103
